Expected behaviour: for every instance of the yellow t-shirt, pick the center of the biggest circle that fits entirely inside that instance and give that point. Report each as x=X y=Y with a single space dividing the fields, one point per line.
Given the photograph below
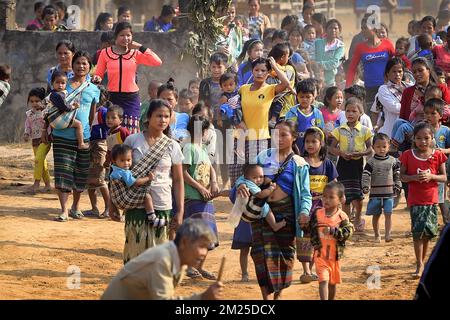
x=255 y=110
x=352 y=139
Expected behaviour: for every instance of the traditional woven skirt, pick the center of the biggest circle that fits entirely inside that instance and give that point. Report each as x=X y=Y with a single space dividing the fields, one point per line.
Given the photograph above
x=198 y=209
x=350 y=175
x=71 y=165
x=140 y=235
x=424 y=222
x=273 y=253
x=131 y=105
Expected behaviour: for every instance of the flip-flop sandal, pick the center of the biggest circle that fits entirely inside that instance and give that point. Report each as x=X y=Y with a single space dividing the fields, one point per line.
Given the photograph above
x=103 y=215
x=91 y=213
x=207 y=275
x=62 y=218
x=193 y=274
x=76 y=214
x=305 y=278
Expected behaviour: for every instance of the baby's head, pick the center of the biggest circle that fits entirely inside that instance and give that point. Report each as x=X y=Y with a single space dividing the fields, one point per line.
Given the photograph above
x=5 y=72
x=433 y=92
x=59 y=81
x=228 y=82
x=254 y=173
x=401 y=46
x=425 y=41
x=121 y=156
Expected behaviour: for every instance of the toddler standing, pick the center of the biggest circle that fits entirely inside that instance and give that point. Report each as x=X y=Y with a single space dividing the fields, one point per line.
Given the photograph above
x=34 y=125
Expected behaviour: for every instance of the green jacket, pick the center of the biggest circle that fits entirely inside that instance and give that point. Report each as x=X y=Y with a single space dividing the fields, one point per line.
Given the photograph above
x=329 y=60
x=342 y=234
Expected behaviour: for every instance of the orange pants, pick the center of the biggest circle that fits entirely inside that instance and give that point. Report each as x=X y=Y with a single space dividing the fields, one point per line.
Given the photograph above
x=328 y=270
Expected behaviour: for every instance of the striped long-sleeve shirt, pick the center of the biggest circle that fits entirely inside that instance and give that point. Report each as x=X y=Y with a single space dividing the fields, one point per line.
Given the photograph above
x=382 y=176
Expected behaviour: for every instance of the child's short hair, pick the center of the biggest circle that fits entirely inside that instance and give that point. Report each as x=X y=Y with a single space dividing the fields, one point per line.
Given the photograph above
x=5 y=72
x=38 y=5
x=306 y=86
x=287 y=20
x=167 y=10
x=192 y=124
x=402 y=40
x=227 y=76
x=199 y=107
x=381 y=136
x=425 y=41
x=319 y=18
x=279 y=50
x=36 y=92
x=119 y=150
x=353 y=101
x=435 y=104
x=428 y=19
x=116 y=109
x=218 y=58
x=337 y=186
x=49 y=11
x=307 y=28
x=122 y=9
x=57 y=74
x=193 y=81
x=248 y=167
x=357 y=91
x=280 y=34
x=107 y=37
x=186 y=94
x=434 y=91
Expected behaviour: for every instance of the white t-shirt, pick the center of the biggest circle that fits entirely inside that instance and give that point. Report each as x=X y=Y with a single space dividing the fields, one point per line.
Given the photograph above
x=161 y=186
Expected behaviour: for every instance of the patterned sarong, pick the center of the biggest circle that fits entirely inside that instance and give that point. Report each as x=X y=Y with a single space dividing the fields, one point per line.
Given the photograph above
x=273 y=253
x=141 y=235
x=125 y=197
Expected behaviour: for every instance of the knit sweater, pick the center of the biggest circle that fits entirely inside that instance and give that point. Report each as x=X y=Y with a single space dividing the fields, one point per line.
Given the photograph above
x=382 y=176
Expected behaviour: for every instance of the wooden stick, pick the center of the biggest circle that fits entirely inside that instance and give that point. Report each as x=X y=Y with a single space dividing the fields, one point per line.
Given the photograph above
x=222 y=266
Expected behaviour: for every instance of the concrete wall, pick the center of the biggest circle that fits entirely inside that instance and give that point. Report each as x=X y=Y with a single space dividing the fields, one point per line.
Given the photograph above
x=31 y=54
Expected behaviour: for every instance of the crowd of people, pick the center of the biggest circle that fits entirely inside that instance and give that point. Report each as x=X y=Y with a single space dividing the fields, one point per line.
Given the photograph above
x=292 y=132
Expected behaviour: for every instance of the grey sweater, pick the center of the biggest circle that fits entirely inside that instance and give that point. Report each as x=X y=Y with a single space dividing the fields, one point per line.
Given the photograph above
x=382 y=176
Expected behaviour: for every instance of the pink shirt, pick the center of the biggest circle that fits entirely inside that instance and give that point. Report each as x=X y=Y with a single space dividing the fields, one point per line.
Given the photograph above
x=122 y=68
x=442 y=58
x=331 y=120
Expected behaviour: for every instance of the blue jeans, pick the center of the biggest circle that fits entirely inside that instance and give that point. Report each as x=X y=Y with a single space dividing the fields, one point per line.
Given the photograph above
x=401 y=131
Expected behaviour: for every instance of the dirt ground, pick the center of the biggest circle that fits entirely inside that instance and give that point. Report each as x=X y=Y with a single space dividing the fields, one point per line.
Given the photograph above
x=38 y=255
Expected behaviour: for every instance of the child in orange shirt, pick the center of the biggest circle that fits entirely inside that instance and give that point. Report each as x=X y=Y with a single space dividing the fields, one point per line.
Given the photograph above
x=330 y=228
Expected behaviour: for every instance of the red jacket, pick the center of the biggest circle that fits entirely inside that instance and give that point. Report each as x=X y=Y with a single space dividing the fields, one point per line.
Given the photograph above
x=408 y=94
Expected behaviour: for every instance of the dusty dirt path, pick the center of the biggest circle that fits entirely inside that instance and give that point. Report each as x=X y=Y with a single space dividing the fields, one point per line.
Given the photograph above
x=36 y=252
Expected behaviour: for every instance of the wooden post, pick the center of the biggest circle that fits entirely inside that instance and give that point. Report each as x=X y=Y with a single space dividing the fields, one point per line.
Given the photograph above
x=7 y=15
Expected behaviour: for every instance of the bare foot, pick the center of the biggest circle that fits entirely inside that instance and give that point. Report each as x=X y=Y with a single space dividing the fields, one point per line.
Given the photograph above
x=245 y=277
x=418 y=273
x=32 y=190
x=48 y=188
x=377 y=239
x=388 y=239
x=83 y=146
x=279 y=225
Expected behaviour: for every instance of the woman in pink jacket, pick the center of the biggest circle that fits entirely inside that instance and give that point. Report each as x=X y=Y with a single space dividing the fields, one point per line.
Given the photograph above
x=120 y=62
